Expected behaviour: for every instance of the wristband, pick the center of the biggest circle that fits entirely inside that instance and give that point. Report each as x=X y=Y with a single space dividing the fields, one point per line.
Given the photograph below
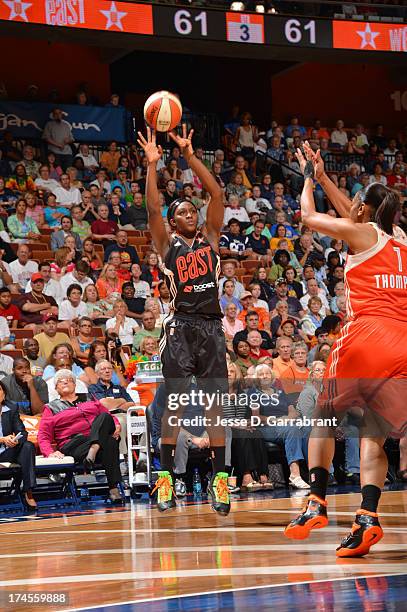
x=309 y=170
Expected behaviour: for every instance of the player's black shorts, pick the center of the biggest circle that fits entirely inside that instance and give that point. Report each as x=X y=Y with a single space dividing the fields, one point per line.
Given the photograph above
x=193 y=348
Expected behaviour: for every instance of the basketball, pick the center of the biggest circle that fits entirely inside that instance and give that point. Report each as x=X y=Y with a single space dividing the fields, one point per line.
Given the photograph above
x=163 y=111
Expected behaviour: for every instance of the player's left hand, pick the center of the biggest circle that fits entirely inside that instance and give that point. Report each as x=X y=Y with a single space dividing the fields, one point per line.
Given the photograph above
x=184 y=142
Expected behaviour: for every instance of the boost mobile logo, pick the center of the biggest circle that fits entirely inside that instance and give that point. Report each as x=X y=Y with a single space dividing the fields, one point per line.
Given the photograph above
x=198 y=288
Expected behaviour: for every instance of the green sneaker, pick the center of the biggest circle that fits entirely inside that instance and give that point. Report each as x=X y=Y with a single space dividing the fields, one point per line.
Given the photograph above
x=219 y=493
x=165 y=492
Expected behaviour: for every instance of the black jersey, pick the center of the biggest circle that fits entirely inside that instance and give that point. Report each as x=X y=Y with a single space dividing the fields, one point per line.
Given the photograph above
x=192 y=275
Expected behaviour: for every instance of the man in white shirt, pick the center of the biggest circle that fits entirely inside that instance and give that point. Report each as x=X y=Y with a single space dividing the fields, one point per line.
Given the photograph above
x=52 y=288
x=123 y=326
x=256 y=203
x=44 y=182
x=229 y=269
x=23 y=267
x=141 y=288
x=89 y=160
x=67 y=195
x=79 y=276
x=314 y=291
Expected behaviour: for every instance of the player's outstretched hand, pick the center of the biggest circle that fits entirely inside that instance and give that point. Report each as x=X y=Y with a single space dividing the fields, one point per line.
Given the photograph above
x=316 y=158
x=152 y=151
x=184 y=142
x=301 y=159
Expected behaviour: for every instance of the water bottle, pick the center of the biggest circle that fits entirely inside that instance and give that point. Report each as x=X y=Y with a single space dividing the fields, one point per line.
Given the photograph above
x=196 y=483
x=12 y=338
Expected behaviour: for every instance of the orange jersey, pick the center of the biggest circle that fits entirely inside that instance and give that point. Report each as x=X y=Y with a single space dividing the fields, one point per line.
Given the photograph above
x=376 y=280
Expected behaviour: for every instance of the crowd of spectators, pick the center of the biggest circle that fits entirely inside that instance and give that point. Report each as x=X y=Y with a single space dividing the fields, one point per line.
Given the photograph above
x=79 y=274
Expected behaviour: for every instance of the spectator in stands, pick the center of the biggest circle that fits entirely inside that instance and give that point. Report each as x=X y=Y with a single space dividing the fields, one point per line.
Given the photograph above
x=228 y=296
x=112 y=396
x=97 y=353
x=294 y=378
x=295 y=309
x=231 y=323
x=24 y=392
x=378 y=176
x=5 y=193
x=281 y=310
x=89 y=434
x=236 y=187
x=58 y=237
x=266 y=188
x=95 y=262
x=44 y=181
x=294 y=286
x=141 y=287
x=295 y=445
x=72 y=308
x=246 y=137
x=149 y=328
x=79 y=276
x=170 y=193
x=63 y=352
x=135 y=306
x=108 y=283
x=55 y=170
x=256 y=203
x=34 y=304
x=50 y=337
x=23 y=267
x=151 y=272
x=339 y=136
x=252 y=321
x=82 y=341
x=258 y=245
x=110 y=159
x=121 y=324
x=323 y=351
x=98 y=310
x=20 y=182
x=352 y=147
x=284 y=348
x=89 y=160
x=104 y=230
x=66 y=194
x=281 y=261
x=235 y=211
x=79 y=226
x=247 y=300
x=102 y=185
x=35 y=210
x=255 y=340
x=314 y=291
x=243 y=359
x=20 y=226
x=313 y=319
x=397 y=180
x=233 y=243
x=229 y=270
x=137 y=213
x=53 y=213
x=58 y=135
x=31 y=350
x=8 y=310
x=15 y=450
x=260 y=277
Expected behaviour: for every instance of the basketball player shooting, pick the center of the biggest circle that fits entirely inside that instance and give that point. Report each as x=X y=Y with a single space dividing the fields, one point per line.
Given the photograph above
x=367 y=367
x=192 y=343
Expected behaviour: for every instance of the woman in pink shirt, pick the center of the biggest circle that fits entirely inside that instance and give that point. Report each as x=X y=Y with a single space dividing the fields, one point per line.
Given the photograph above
x=231 y=323
x=34 y=209
x=83 y=429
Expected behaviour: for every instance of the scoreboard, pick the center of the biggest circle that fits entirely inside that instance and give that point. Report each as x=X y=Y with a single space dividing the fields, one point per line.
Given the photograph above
x=208 y=25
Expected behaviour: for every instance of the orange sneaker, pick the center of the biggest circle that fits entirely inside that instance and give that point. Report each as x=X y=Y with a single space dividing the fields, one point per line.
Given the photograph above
x=313 y=516
x=366 y=531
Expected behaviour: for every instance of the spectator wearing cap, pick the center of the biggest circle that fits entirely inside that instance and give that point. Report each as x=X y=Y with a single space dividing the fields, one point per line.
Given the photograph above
x=49 y=337
x=34 y=304
x=123 y=271
x=58 y=237
x=247 y=300
x=314 y=291
x=52 y=287
x=233 y=243
x=26 y=393
x=258 y=245
x=122 y=246
x=235 y=211
x=295 y=308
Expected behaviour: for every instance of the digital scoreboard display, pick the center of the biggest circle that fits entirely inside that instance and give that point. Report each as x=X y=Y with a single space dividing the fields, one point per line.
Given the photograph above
x=208 y=25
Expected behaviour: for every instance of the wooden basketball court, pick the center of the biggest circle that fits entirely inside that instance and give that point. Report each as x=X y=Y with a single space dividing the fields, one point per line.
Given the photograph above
x=137 y=556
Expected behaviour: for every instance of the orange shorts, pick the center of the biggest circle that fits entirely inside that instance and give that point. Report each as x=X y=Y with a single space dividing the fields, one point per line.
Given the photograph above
x=367 y=368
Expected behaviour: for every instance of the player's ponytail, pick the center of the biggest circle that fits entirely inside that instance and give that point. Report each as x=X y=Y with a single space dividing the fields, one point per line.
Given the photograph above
x=385 y=204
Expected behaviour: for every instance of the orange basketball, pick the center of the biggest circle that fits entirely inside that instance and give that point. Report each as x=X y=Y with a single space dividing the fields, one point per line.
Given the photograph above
x=163 y=111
